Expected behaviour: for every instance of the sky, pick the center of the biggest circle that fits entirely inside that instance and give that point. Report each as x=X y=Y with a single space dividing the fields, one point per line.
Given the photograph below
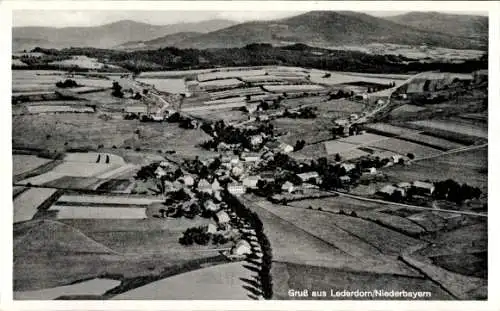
x=52 y=18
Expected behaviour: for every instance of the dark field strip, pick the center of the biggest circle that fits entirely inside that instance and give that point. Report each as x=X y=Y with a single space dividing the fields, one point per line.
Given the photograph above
x=37 y=171
x=98 y=204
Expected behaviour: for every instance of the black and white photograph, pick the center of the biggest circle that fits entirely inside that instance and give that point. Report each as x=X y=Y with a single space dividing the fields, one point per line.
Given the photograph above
x=277 y=154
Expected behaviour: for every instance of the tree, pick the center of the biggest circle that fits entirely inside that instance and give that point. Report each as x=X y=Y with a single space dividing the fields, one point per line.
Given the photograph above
x=410 y=156
x=337 y=157
x=117 y=90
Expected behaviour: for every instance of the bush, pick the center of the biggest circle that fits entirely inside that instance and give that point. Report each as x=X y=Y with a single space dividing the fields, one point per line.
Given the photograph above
x=117 y=90
x=68 y=83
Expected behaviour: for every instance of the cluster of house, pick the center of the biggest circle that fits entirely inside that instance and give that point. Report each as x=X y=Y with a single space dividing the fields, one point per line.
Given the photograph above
x=419 y=187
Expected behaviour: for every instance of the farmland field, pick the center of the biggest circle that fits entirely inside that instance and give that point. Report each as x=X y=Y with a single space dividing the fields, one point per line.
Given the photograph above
x=24 y=163
x=97 y=212
x=227 y=83
x=469 y=167
x=59 y=108
x=454 y=127
x=27 y=203
x=294 y=88
x=403 y=147
x=230 y=74
x=176 y=86
x=293 y=244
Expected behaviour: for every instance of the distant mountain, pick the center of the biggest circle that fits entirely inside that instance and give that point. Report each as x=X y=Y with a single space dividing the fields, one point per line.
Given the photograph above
x=326 y=29
x=110 y=35
x=472 y=26
x=168 y=40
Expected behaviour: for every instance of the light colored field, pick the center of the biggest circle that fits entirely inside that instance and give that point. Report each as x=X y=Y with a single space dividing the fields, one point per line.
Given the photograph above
x=335 y=78
x=220 y=84
x=22 y=163
x=404 y=147
x=230 y=74
x=390 y=129
x=176 y=86
x=26 y=204
x=294 y=88
x=98 y=212
x=91 y=287
x=455 y=127
x=60 y=108
x=17 y=62
x=236 y=92
x=217 y=282
x=92 y=157
x=81 y=61
x=406 y=108
x=264 y=78
x=107 y=199
x=101 y=83
x=365 y=138
x=336 y=146
x=225 y=101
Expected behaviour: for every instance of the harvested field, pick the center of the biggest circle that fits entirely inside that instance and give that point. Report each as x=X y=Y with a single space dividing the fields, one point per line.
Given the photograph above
x=335 y=204
x=59 y=108
x=293 y=88
x=114 y=199
x=220 y=84
x=97 y=212
x=22 y=163
x=389 y=129
x=363 y=139
x=454 y=127
x=344 y=105
x=238 y=92
x=225 y=101
x=27 y=203
x=288 y=276
x=337 y=146
x=115 y=185
x=175 y=86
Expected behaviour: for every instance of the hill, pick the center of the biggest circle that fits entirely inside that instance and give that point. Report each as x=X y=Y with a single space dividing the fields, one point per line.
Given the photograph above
x=326 y=29
x=109 y=35
x=471 y=26
x=168 y=40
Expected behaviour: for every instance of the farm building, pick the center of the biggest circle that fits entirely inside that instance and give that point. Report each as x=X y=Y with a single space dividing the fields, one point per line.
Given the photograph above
x=421 y=187
x=188 y=180
x=348 y=166
x=136 y=109
x=345 y=179
x=236 y=189
x=209 y=205
x=222 y=218
x=211 y=228
x=404 y=185
x=308 y=175
x=251 y=182
x=370 y=170
x=241 y=248
x=288 y=187
x=286 y=148
x=389 y=190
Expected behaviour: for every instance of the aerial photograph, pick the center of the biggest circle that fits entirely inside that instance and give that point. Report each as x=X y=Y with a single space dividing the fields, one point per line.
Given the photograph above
x=278 y=155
